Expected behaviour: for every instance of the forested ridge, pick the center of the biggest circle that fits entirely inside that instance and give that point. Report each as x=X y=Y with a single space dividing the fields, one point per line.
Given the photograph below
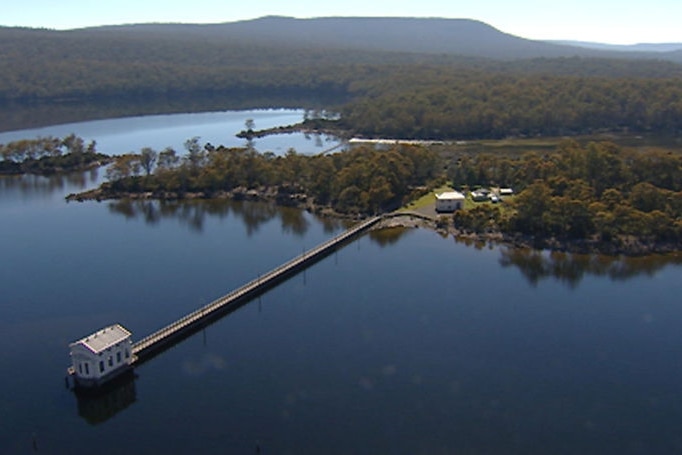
x=434 y=104
x=386 y=93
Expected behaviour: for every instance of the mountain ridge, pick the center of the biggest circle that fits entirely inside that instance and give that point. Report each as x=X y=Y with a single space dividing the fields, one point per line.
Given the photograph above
x=458 y=36
x=276 y=55
x=467 y=37
x=463 y=37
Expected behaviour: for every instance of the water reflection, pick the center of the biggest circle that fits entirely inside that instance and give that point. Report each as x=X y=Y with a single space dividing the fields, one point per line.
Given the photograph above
x=388 y=236
x=571 y=268
x=194 y=213
x=29 y=184
x=99 y=405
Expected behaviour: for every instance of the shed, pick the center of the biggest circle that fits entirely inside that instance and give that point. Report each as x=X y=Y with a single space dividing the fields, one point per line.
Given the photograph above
x=480 y=195
x=101 y=356
x=449 y=201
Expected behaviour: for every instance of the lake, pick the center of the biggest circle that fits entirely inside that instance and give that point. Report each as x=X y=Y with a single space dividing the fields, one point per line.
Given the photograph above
x=402 y=342
x=129 y=134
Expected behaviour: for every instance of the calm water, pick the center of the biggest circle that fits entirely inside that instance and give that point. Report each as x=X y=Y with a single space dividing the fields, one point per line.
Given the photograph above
x=403 y=342
x=123 y=135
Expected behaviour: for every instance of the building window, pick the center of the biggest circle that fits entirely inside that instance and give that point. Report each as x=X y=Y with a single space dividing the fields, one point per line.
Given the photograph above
x=87 y=369
x=111 y=361
x=101 y=366
x=118 y=357
x=80 y=368
x=127 y=354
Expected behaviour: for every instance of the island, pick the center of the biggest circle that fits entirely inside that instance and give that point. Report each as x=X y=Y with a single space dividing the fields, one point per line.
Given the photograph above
x=49 y=155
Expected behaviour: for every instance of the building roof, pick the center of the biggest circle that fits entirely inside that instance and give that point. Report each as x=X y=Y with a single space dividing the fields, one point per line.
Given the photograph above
x=104 y=338
x=450 y=195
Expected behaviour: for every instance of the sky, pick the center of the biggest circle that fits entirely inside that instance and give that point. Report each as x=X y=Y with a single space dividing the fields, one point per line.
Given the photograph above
x=605 y=21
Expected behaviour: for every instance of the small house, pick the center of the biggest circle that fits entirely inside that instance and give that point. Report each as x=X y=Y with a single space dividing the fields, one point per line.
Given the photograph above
x=506 y=192
x=449 y=201
x=101 y=356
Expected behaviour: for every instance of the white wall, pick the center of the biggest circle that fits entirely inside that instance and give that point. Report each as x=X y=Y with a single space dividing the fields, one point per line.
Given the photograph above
x=112 y=358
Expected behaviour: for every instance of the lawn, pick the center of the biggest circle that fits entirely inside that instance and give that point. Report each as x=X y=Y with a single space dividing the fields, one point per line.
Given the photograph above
x=426 y=200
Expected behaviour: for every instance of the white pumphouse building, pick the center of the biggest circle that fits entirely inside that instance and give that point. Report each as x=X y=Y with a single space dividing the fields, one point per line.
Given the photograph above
x=101 y=356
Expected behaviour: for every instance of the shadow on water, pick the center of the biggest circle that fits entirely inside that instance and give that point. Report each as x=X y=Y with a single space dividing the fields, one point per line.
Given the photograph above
x=194 y=213
x=388 y=236
x=535 y=265
x=101 y=404
x=571 y=268
x=30 y=184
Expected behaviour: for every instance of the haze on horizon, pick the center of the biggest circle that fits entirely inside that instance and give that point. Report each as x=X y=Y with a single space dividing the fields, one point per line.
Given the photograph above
x=606 y=21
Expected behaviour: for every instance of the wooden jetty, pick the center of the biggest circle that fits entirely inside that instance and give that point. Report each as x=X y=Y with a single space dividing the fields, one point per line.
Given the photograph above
x=160 y=340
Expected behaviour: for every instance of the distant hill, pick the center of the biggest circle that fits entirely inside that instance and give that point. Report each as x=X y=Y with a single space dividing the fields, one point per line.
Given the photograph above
x=412 y=35
x=388 y=77
x=283 y=56
x=464 y=37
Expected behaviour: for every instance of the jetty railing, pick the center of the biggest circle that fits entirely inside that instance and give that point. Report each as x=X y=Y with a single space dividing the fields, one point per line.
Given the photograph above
x=253 y=287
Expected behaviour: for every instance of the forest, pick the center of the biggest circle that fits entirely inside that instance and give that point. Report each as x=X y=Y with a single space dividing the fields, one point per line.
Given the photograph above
x=379 y=93
x=467 y=105
x=597 y=192
x=360 y=181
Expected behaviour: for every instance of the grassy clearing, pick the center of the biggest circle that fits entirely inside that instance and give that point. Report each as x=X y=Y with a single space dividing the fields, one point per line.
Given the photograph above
x=430 y=199
x=515 y=146
x=426 y=200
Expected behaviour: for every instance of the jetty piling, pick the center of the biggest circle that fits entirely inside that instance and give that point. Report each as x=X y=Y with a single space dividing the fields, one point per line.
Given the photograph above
x=150 y=345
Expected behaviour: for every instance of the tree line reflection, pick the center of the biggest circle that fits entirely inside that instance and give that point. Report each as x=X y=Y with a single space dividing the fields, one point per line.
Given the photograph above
x=534 y=265
x=194 y=214
x=30 y=184
x=571 y=268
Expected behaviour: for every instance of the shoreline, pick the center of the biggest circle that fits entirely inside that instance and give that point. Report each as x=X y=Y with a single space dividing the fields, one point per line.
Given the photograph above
x=295 y=128
x=631 y=247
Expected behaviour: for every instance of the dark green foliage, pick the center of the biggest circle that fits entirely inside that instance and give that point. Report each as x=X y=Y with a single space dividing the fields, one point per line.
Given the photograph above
x=434 y=103
x=426 y=93
x=581 y=192
x=363 y=180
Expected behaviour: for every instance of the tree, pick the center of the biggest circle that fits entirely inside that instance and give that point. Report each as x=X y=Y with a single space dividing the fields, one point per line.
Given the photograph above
x=250 y=125
x=379 y=193
x=122 y=168
x=195 y=154
x=167 y=158
x=74 y=144
x=148 y=157
x=532 y=205
x=647 y=198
